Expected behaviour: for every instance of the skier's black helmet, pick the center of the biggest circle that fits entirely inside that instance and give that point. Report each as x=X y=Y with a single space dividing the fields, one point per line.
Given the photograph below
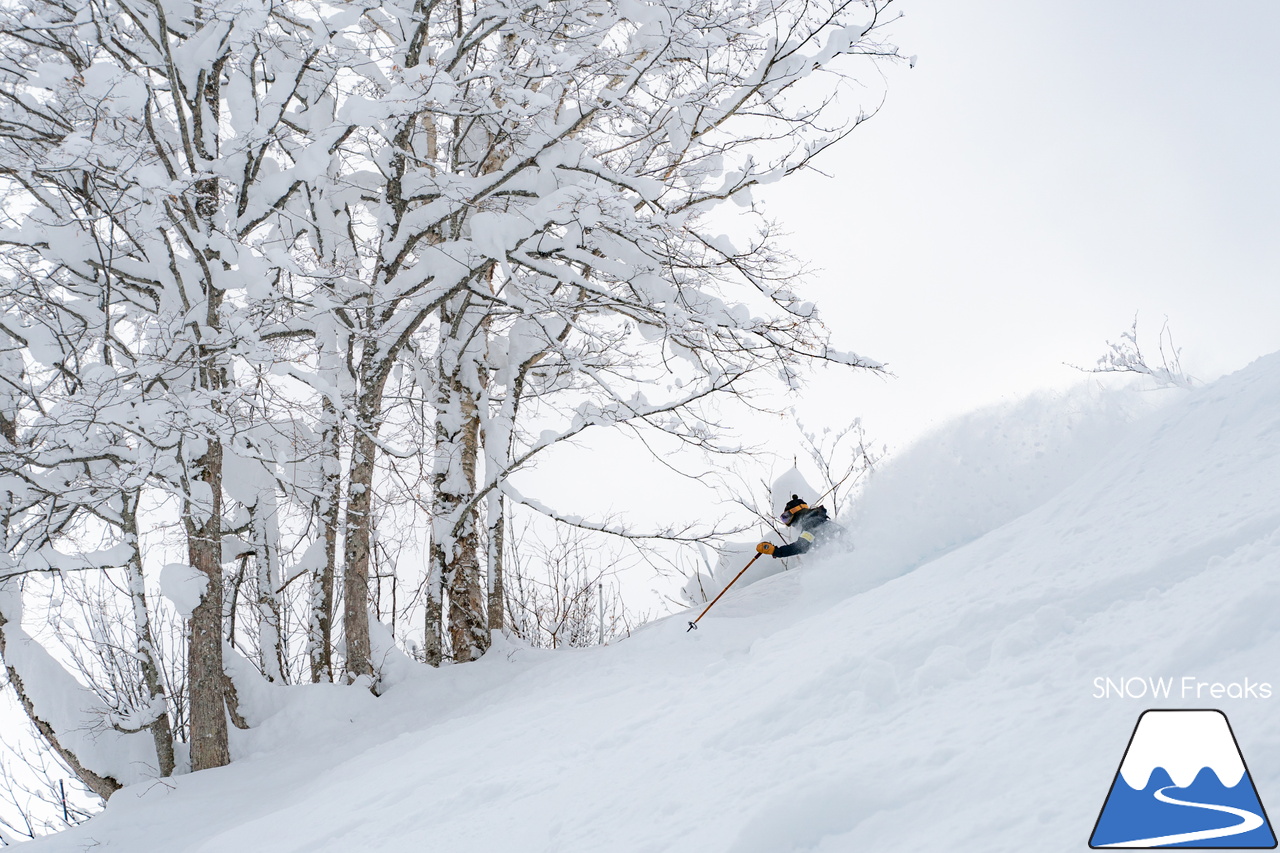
x=794 y=507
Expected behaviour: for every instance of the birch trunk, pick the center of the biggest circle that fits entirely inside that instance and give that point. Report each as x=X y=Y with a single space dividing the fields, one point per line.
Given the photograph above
x=321 y=629
x=454 y=557
x=497 y=541
x=271 y=654
x=433 y=645
x=468 y=632
x=161 y=730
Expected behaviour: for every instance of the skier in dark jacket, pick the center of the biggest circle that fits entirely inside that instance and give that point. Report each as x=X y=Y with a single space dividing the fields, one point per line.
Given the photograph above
x=813 y=524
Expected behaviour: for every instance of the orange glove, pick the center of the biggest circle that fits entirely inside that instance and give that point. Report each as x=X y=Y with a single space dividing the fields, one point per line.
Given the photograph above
x=765 y=548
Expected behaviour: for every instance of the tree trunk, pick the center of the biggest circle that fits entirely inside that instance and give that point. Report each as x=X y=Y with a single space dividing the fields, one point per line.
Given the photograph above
x=205 y=677
x=355 y=578
x=271 y=655
x=160 y=727
x=455 y=538
x=433 y=645
x=497 y=540
x=103 y=786
x=467 y=622
x=358 y=533
x=202 y=503
x=321 y=630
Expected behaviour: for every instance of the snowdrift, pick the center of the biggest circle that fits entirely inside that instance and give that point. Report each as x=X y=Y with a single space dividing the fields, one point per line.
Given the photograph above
x=845 y=705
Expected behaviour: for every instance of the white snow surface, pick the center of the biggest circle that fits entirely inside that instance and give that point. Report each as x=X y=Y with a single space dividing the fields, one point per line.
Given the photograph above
x=1183 y=743
x=943 y=703
x=184 y=585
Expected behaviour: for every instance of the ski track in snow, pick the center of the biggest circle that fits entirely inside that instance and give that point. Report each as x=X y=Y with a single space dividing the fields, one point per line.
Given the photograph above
x=877 y=701
x=1248 y=822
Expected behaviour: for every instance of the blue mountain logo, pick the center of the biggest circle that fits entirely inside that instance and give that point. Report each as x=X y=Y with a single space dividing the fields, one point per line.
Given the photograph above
x=1183 y=783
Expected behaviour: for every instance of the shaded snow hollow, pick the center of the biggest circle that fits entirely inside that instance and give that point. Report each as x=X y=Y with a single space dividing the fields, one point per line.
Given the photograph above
x=944 y=700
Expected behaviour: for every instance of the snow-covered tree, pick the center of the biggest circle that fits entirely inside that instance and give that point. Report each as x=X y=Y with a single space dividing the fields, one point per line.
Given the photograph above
x=240 y=238
x=147 y=148
x=539 y=220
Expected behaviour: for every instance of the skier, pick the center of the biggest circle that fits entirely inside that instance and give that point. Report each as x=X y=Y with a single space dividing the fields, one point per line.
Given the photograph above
x=813 y=524
x=815 y=529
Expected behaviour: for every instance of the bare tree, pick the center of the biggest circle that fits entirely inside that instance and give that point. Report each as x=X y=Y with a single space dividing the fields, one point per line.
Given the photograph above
x=562 y=593
x=843 y=458
x=38 y=797
x=1126 y=356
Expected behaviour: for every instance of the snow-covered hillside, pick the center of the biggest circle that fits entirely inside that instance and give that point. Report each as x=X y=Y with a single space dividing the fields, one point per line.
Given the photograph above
x=844 y=705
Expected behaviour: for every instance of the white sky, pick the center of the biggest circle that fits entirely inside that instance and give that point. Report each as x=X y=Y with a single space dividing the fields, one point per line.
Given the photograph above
x=1046 y=171
x=1043 y=173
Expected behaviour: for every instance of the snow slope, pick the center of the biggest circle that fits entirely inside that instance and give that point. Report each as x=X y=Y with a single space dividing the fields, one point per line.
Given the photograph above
x=840 y=706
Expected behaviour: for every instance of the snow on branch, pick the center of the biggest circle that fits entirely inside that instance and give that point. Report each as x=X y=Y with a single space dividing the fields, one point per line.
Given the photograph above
x=1126 y=356
x=689 y=533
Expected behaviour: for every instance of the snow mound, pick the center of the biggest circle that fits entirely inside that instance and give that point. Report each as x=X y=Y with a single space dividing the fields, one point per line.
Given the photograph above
x=986 y=469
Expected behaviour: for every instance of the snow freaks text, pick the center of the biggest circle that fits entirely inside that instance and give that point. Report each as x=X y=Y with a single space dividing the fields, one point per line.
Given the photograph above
x=1186 y=687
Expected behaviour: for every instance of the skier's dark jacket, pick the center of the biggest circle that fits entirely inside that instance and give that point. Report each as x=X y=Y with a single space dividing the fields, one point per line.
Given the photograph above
x=814 y=527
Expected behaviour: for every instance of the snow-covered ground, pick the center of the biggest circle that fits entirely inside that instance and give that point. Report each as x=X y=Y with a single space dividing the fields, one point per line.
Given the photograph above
x=933 y=689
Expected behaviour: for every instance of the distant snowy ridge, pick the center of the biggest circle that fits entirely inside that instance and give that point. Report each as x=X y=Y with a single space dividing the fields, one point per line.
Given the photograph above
x=1183 y=743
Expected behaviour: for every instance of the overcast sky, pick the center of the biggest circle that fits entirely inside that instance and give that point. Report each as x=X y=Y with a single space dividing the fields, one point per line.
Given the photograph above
x=1044 y=172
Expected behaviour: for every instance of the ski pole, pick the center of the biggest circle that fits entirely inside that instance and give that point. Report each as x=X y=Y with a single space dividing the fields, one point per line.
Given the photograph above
x=694 y=624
